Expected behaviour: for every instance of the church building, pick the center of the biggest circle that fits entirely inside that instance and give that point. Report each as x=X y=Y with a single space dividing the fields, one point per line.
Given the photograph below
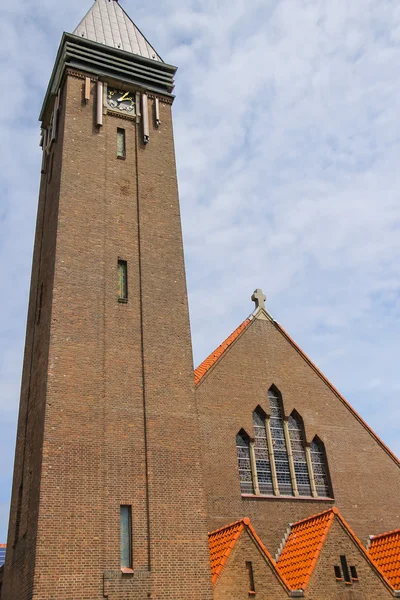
x=137 y=477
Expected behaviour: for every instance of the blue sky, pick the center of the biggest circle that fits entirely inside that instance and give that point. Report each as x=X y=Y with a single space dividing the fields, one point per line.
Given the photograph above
x=288 y=143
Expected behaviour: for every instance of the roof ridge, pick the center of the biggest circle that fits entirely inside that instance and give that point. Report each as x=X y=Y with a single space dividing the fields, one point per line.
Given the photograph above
x=244 y=520
x=381 y=535
x=333 y=510
x=220 y=351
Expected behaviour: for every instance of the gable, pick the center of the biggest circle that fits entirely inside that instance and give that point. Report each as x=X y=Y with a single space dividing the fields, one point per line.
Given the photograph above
x=233 y=581
x=236 y=384
x=323 y=581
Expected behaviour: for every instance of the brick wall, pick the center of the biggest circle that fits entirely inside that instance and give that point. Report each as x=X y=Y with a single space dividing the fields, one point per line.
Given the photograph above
x=117 y=429
x=365 y=478
x=323 y=582
x=233 y=582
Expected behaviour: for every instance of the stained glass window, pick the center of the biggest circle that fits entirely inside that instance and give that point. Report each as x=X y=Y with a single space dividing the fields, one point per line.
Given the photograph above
x=2 y=554
x=243 y=453
x=126 y=536
x=320 y=469
x=122 y=280
x=263 y=465
x=121 y=144
x=297 y=442
x=279 y=444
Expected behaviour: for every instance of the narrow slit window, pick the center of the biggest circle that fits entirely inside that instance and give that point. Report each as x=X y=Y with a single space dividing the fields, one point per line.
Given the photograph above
x=353 y=572
x=122 y=281
x=338 y=573
x=126 y=537
x=249 y=567
x=121 y=143
x=345 y=569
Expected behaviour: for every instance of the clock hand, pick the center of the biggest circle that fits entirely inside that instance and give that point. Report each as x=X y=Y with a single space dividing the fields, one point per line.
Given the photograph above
x=124 y=97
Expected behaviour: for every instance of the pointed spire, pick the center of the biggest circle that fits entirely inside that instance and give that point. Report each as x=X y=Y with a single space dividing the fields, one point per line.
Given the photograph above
x=107 y=23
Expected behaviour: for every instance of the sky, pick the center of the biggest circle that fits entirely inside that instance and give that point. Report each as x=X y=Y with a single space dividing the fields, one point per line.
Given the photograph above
x=288 y=142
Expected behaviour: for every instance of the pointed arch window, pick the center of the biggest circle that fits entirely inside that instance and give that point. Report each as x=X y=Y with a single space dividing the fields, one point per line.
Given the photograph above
x=263 y=465
x=297 y=442
x=243 y=454
x=320 y=468
x=279 y=443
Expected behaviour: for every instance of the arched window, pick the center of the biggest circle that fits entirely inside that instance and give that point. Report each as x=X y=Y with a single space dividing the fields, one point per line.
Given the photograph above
x=263 y=465
x=243 y=453
x=320 y=468
x=297 y=442
x=279 y=443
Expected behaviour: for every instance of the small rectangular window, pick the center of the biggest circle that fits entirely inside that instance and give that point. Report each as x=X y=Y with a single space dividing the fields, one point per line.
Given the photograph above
x=353 y=572
x=126 y=537
x=249 y=567
x=338 y=574
x=121 y=143
x=122 y=281
x=345 y=569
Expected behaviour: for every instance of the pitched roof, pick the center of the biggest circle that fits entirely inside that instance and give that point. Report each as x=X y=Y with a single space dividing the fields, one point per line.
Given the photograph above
x=385 y=552
x=302 y=548
x=222 y=541
x=107 y=23
x=210 y=361
x=214 y=357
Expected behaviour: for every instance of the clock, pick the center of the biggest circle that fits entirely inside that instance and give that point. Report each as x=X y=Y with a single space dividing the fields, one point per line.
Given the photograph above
x=121 y=100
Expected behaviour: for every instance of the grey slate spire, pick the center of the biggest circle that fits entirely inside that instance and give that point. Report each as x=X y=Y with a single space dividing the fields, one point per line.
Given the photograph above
x=107 y=23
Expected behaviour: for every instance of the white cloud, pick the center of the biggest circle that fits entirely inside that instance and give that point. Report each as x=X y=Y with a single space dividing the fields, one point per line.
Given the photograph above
x=287 y=136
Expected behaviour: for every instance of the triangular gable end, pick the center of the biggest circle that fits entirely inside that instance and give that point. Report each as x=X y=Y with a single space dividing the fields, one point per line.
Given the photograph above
x=223 y=541
x=107 y=23
x=306 y=541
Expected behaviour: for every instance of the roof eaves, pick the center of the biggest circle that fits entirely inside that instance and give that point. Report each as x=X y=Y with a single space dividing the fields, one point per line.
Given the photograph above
x=213 y=359
x=363 y=550
x=337 y=393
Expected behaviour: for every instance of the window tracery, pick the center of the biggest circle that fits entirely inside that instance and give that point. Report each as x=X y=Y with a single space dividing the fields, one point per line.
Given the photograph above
x=320 y=468
x=243 y=454
x=278 y=462
x=297 y=442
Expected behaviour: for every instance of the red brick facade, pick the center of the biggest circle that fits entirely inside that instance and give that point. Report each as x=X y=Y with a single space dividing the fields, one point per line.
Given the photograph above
x=110 y=414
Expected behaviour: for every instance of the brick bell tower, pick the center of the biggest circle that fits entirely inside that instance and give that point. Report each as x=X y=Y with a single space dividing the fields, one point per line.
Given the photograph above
x=107 y=497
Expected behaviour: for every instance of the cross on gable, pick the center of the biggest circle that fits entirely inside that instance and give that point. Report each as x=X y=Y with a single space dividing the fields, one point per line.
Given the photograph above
x=259 y=298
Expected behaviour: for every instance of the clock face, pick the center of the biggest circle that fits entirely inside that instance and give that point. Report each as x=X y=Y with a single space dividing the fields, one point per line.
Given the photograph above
x=120 y=100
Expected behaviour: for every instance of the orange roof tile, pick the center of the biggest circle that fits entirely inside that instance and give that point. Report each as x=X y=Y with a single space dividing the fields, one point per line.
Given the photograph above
x=206 y=365
x=302 y=548
x=385 y=552
x=221 y=543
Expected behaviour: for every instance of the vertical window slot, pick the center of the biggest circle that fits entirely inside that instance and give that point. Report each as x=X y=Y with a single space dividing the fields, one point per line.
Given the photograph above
x=353 y=572
x=249 y=567
x=121 y=143
x=345 y=569
x=126 y=537
x=338 y=573
x=122 y=281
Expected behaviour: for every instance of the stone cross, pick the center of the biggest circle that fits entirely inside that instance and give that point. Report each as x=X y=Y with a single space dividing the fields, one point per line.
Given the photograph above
x=259 y=298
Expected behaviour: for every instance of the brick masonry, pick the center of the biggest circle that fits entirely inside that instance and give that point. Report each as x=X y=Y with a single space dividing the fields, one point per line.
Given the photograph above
x=109 y=391
x=365 y=478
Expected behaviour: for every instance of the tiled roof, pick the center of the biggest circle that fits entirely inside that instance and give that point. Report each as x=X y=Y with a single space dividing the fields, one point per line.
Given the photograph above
x=214 y=356
x=385 y=552
x=303 y=546
x=222 y=541
x=221 y=544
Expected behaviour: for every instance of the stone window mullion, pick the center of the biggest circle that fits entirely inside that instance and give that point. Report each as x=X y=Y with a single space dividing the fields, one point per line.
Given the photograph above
x=311 y=472
x=290 y=457
x=272 y=457
x=254 y=469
